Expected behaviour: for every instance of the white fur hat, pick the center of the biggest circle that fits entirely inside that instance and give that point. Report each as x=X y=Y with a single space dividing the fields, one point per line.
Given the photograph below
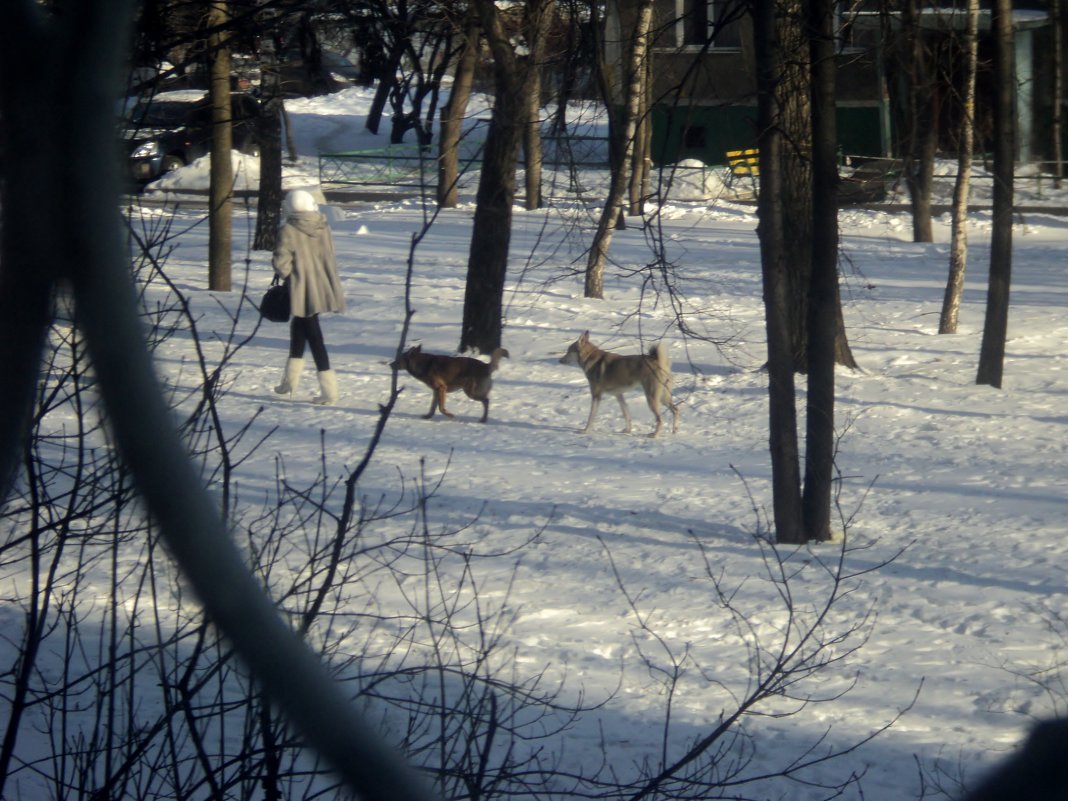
x=298 y=200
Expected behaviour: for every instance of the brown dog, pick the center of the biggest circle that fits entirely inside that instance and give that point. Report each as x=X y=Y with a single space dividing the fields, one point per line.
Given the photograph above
x=445 y=374
x=613 y=374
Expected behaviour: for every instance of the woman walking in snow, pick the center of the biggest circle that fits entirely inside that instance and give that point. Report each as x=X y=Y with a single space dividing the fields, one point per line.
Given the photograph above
x=304 y=258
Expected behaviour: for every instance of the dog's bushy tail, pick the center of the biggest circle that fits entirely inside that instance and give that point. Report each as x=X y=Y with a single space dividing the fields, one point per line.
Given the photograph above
x=659 y=351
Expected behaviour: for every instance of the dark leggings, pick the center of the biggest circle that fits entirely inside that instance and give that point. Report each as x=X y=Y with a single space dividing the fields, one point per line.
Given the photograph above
x=305 y=331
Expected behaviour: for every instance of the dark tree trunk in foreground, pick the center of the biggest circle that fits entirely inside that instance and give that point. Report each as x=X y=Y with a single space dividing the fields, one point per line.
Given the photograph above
x=823 y=295
x=795 y=109
x=995 y=329
x=220 y=227
x=782 y=408
x=1057 y=67
x=491 y=232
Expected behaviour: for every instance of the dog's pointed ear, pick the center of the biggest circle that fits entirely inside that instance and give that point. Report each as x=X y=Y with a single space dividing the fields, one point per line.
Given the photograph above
x=585 y=336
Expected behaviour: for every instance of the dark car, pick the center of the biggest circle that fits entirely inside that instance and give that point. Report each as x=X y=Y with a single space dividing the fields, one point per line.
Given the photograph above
x=298 y=77
x=174 y=129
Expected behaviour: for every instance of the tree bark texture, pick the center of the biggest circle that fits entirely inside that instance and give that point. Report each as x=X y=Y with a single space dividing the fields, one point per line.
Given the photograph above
x=782 y=407
x=823 y=293
x=640 y=159
x=452 y=117
x=221 y=182
x=1057 y=59
x=491 y=231
x=539 y=19
x=635 y=68
x=921 y=134
x=795 y=108
x=269 y=202
x=958 y=254
x=995 y=328
x=796 y=164
x=387 y=80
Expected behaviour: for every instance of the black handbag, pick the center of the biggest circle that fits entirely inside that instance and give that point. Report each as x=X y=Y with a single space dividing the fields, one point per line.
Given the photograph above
x=275 y=304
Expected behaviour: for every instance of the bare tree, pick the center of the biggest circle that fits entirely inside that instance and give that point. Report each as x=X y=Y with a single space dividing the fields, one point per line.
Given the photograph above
x=718 y=762
x=641 y=155
x=491 y=234
x=221 y=191
x=1057 y=58
x=634 y=76
x=782 y=405
x=920 y=69
x=958 y=256
x=795 y=102
x=452 y=116
x=996 y=325
x=823 y=293
x=537 y=24
x=269 y=199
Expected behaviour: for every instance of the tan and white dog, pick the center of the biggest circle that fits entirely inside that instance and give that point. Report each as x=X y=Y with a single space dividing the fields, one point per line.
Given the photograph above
x=614 y=374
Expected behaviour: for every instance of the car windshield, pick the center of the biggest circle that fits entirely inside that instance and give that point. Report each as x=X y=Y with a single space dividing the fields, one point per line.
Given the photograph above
x=335 y=60
x=165 y=114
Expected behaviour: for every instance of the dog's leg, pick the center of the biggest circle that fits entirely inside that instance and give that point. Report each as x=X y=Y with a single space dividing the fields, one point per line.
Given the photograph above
x=626 y=412
x=433 y=406
x=653 y=399
x=595 y=401
x=485 y=409
x=659 y=424
x=440 y=391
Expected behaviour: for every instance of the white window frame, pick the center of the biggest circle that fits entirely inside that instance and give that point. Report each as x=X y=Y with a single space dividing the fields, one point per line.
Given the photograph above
x=680 y=29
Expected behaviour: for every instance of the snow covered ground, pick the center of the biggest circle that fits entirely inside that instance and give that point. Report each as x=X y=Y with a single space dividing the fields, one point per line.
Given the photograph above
x=962 y=489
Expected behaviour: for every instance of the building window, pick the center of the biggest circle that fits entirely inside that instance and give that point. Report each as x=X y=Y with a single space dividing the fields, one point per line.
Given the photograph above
x=708 y=21
x=857 y=24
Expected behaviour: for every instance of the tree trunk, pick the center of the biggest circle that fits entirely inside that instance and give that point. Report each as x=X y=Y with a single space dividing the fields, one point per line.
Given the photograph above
x=452 y=117
x=532 y=152
x=958 y=256
x=539 y=18
x=220 y=227
x=291 y=143
x=602 y=239
x=922 y=131
x=640 y=160
x=491 y=232
x=269 y=200
x=823 y=300
x=782 y=408
x=995 y=329
x=795 y=156
x=387 y=82
x=1057 y=122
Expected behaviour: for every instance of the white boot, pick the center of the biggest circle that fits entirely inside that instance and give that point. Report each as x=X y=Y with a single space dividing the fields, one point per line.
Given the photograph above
x=291 y=379
x=328 y=387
